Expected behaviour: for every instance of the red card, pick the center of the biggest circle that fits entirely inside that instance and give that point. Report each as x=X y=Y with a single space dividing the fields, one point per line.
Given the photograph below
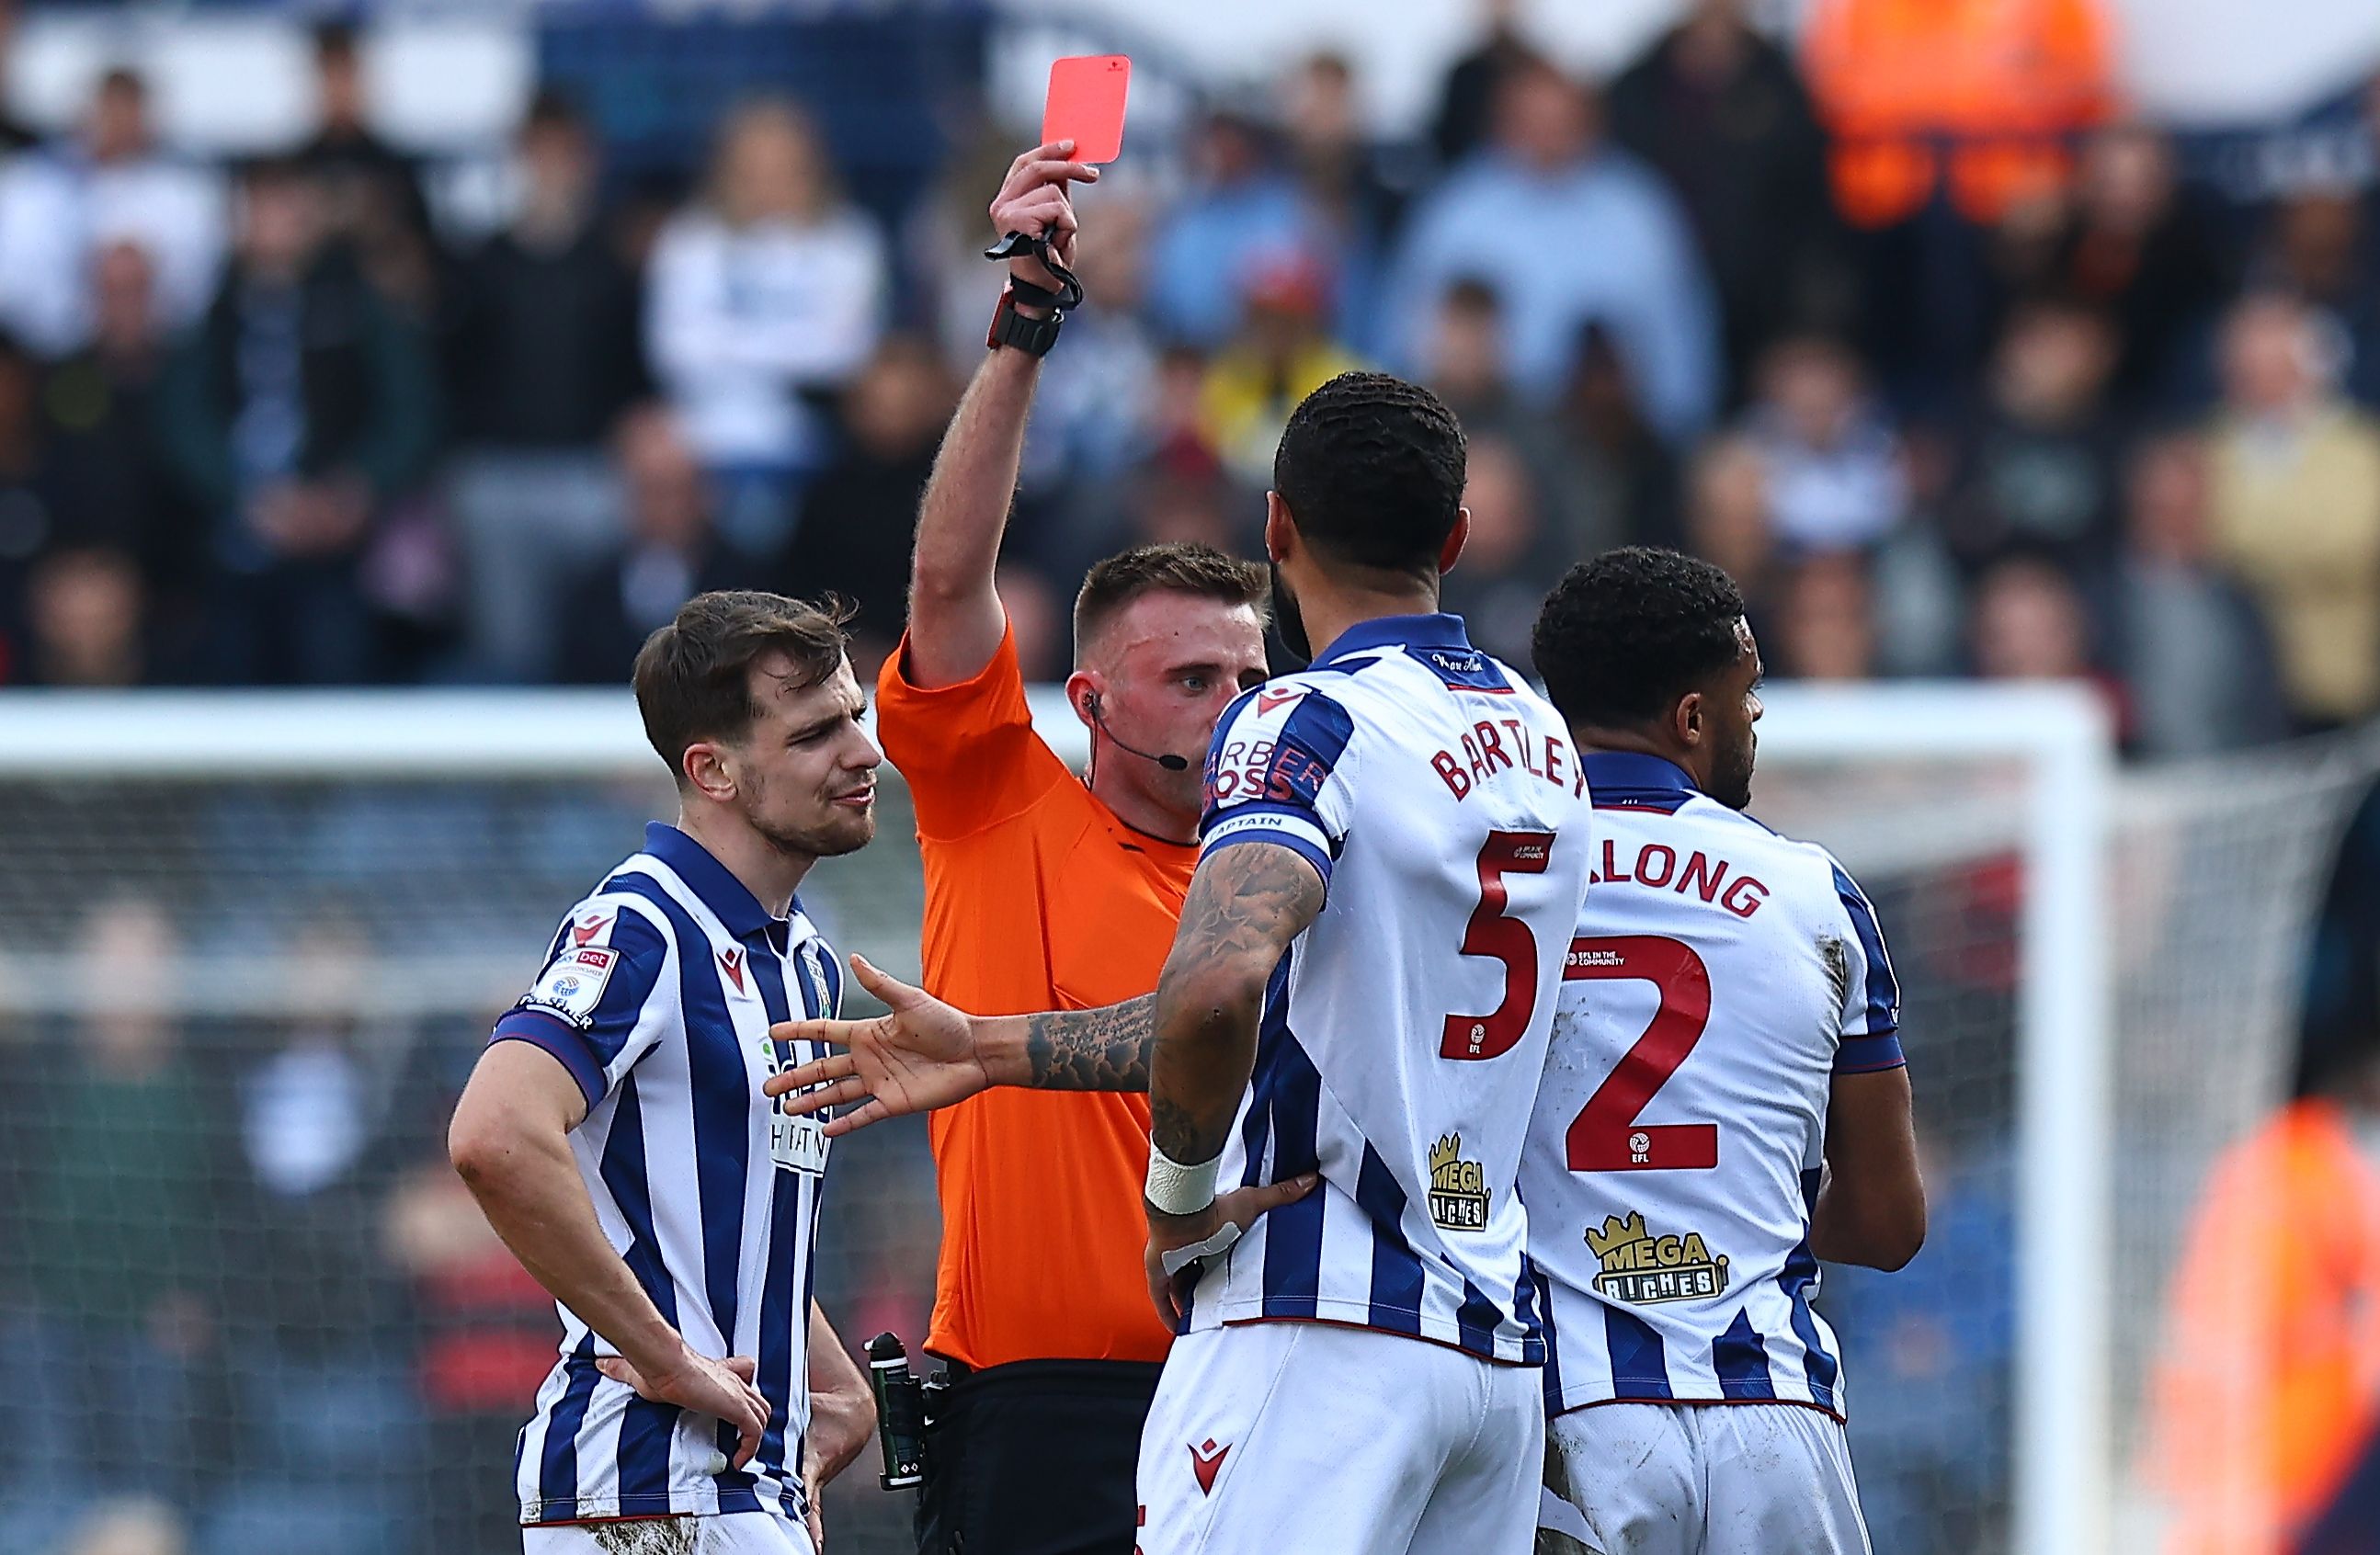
x=1086 y=105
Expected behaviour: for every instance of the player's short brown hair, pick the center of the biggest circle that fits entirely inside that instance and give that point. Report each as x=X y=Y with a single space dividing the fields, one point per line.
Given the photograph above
x=693 y=677
x=1173 y=566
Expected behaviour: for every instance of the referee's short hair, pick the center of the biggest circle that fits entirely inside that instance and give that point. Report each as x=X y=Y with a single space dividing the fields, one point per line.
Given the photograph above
x=1176 y=567
x=693 y=677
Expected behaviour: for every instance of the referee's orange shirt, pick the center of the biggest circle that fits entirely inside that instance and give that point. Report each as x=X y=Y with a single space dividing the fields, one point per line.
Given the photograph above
x=1037 y=897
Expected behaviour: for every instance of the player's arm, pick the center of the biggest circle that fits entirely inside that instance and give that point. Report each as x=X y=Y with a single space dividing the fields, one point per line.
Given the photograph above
x=955 y=620
x=1246 y=904
x=925 y=1055
x=1872 y=1207
x=510 y=1140
x=842 y=1414
x=1249 y=900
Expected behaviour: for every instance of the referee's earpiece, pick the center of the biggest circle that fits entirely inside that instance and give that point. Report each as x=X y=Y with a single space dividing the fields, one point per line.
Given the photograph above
x=1099 y=720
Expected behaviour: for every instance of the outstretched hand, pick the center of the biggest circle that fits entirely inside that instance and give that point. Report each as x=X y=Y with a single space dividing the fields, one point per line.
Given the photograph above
x=921 y=1056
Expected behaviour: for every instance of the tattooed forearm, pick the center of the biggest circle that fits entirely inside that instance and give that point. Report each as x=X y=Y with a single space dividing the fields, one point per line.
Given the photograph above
x=1246 y=903
x=1104 y=1049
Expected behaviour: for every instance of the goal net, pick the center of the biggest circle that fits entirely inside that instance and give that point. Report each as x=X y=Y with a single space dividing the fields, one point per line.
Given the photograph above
x=250 y=948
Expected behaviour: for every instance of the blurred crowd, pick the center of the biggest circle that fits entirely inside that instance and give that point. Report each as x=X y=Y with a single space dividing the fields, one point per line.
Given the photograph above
x=1905 y=322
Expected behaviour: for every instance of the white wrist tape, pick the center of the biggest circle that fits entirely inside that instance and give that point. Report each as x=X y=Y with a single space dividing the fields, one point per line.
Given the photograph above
x=1178 y=1189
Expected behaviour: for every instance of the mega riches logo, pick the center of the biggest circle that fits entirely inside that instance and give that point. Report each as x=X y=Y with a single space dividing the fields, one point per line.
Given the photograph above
x=1641 y=1268
x=1458 y=1188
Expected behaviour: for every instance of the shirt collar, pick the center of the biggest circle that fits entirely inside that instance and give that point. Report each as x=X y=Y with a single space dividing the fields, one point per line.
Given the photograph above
x=1441 y=631
x=727 y=896
x=1618 y=774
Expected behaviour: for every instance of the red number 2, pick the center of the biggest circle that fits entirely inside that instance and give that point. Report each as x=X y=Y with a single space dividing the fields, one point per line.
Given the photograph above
x=1508 y=940
x=1605 y=1136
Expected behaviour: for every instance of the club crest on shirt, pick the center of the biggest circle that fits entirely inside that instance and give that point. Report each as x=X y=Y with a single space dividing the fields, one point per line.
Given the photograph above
x=1643 y=1269
x=1458 y=1188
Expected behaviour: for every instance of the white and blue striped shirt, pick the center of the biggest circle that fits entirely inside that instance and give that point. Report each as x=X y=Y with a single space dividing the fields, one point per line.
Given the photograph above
x=1720 y=978
x=658 y=994
x=1403 y=1033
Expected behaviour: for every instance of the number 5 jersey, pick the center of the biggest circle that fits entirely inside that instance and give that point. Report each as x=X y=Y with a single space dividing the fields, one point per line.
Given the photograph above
x=1404 y=1031
x=1720 y=977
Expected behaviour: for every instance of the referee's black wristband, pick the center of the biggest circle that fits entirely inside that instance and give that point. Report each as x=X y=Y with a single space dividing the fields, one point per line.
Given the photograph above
x=1010 y=328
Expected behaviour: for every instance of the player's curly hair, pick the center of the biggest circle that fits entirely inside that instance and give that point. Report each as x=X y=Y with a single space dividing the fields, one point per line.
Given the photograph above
x=1371 y=468
x=1628 y=633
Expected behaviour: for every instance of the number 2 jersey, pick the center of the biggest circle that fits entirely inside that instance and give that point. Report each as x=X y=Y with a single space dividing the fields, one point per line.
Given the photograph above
x=1720 y=978
x=1404 y=1031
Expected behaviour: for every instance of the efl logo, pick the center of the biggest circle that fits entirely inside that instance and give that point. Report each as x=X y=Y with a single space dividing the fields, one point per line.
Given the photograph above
x=1205 y=1462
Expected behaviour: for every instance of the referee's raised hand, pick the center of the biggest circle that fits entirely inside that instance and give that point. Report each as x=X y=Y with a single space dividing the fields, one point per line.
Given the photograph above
x=721 y=1389
x=1032 y=200
x=923 y=1055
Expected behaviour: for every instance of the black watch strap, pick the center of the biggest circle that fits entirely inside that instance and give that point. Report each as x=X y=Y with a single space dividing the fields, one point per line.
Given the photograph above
x=1010 y=328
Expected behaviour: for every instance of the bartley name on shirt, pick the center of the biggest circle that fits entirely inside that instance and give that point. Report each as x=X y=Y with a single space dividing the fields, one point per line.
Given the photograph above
x=1493 y=746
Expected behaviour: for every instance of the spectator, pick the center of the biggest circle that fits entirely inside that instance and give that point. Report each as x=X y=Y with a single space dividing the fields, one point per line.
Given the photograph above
x=324 y=1416
x=487 y=1343
x=1356 y=191
x=85 y=614
x=1281 y=353
x=1463 y=358
x=542 y=356
x=1614 y=481
x=116 y=1156
x=59 y=207
x=32 y=514
x=2186 y=640
x=1825 y=625
x=2137 y=249
x=1727 y=515
x=114 y=489
x=1036 y=621
x=2028 y=623
x=1831 y=464
x=1945 y=120
x=1241 y=212
x=2321 y=249
x=14 y=134
x=860 y=514
x=2038 y=468
x=672 y=553
x=2002 y=87
x=2297 y=505
x=1720 y=111
x=1580 y=231
x=766 y=290
x=1512 y=556
x=2269 y=1381
x=371 y=192
x=300 y=405
x=1091 y=420
x=1468 y=97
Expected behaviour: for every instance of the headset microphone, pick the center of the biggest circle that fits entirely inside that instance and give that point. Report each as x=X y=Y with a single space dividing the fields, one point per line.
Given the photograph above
x=1171 y=762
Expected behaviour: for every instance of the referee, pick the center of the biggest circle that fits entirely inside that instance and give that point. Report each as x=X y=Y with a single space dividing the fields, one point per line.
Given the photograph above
x=1046 y=889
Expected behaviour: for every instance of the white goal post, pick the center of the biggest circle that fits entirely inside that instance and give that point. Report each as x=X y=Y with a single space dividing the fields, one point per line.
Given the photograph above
x=2051 y=744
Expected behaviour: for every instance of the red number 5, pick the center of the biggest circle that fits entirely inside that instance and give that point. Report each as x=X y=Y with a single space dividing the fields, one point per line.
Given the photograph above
x=1505 y=939
x=1605 y=1136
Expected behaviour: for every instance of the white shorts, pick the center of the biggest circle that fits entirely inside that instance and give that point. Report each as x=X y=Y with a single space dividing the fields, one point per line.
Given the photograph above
x=1699 y=1479
x=730 y=1533
x=1327 y=1439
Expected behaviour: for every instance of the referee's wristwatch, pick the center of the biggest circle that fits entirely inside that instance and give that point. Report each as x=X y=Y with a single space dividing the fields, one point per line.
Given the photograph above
x=1010 y=328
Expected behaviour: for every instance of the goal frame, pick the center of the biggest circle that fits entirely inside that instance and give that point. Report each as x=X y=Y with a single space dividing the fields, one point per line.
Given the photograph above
x=2063 y=1456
